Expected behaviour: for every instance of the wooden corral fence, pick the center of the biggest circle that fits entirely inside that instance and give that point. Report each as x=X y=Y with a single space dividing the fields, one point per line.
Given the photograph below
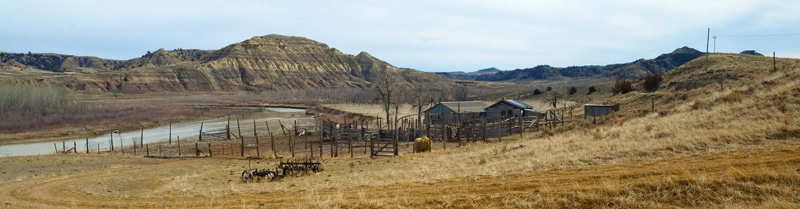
x=226 y=149
x=345 y=137
x=480 y=129
x=384 y=144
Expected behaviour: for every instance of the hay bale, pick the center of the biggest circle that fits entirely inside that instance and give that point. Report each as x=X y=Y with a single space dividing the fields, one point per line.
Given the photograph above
x=423 y=144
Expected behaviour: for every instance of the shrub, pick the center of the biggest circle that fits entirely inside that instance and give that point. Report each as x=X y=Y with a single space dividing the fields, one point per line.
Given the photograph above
x=751 y=52
x=572 y=90
x=536 y=92
x=622 y=86
x=591 y=90
x=34 y=100
x=652 y=81
x=548 y=89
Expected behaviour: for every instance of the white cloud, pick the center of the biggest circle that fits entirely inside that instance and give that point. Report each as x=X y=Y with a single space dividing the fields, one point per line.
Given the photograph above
x=428 y=35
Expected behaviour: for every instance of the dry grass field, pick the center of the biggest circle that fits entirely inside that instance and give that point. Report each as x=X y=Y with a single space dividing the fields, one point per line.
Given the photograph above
x=701 y=147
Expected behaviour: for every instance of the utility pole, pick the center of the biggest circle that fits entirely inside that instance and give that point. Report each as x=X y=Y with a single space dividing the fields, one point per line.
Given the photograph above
x=715 y=43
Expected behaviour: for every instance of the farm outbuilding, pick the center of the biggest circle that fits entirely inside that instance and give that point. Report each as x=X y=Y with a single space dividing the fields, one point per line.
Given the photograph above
x=508 y=108
x=445 y=112
x=594 y=110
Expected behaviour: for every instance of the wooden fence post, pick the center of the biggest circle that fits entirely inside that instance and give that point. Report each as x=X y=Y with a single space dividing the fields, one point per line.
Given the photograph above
x=255 y=134
x=372 y=143
x=238 y=127
x=272 y=140
x=209 y=150
x=321 y=138
x=147 y=150
x=141 y=138
x=170 y=132
x=283 y=129
x=363 y=138
x=121 y=145
x=196 y=150
x=291 y=144
x=179 y=146
x=349 y=138
x=112 y=142
x=134 y=147
x=228 y=128
x=64 y=146
x=55 y=147
x=396 y=137
x=483 y=128
x=498 y=129
x=87 y=145
x=241 y=138
x=444 y=136
x=519 y=122
x=200 y=134
x=305 y=139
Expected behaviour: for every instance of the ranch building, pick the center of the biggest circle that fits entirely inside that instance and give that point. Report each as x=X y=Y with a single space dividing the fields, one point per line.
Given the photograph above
x=594 y=110
x=445 y=112
x=508 y=108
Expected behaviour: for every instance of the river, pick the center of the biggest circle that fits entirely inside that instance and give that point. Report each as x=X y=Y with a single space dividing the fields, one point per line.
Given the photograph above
x=162 y=133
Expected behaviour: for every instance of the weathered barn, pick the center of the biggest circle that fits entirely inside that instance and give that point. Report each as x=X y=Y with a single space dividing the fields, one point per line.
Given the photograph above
x=445 y=112
x=594 y=110
x=507 y=108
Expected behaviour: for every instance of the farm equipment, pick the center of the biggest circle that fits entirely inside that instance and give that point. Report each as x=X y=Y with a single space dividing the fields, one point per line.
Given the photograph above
x=283 y=169
x=256 y=175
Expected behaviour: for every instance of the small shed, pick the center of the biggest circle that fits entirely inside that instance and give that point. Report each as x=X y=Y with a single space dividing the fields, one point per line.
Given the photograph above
x=507 y=108
x=446 y=111
x=594 y=110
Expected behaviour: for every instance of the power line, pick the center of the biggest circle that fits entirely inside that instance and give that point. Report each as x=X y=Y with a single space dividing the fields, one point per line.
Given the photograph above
x=761 y=35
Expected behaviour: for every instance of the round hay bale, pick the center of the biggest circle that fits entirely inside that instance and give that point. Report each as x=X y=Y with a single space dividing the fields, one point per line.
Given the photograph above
x=423 y=144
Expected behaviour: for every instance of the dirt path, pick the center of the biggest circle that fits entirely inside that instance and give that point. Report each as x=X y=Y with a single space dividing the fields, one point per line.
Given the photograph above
x=640 y=182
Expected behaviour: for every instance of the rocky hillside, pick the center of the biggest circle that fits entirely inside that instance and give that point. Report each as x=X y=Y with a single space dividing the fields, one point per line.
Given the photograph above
x=636 y=69
x=260 y=63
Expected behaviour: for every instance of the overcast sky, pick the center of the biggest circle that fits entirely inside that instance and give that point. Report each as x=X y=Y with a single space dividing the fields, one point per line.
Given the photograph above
x=426 y=35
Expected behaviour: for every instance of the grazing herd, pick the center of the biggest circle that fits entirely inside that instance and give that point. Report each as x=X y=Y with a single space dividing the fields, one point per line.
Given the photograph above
x=282 y=170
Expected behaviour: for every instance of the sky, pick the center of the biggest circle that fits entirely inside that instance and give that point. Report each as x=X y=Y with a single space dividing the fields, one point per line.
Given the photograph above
x=447 y=35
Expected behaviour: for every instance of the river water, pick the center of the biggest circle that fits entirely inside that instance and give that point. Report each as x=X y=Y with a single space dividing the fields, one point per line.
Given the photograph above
x=162 y=133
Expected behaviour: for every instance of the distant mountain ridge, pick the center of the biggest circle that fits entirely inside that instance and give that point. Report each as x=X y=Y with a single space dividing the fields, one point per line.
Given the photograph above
x=470 y=75
x=260 y=63
x=635 y=69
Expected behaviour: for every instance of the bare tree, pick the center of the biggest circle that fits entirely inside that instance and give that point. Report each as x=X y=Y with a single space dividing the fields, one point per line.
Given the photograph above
x=461 y=93
x=421 y=98
x=385 y=88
